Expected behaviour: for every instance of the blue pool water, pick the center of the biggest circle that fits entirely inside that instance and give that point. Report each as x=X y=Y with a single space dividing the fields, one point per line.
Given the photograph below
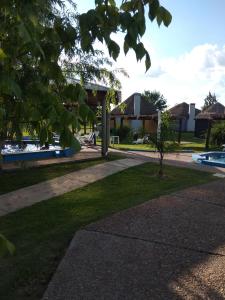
x=31 y=150
x=26 y=148
x=210 y=158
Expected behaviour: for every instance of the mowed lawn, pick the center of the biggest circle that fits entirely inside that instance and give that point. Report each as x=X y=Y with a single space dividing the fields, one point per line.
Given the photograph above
x=42 y=232
x=13 y=180
x=188 y=142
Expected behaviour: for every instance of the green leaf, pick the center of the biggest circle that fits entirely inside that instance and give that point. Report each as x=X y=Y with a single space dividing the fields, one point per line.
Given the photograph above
x=140 y=51
x=165 y=16
x=99 y=2
x=159 y=19
x=2 y=54
x=75 y=144
x=125 y=20
x=147 y=61
x=114 y=49
x=6 y=246
x=83 y=111
x=127 y=6
x=153 y=9
x=35 y=115
x=125 y=47
x=141 y=23
x=8 y=86
x=43 y=135
x=24 y=33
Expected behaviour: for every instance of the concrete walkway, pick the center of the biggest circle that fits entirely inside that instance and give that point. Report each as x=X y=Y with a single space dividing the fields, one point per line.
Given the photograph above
x=172 y=247
x=183 y=160
x=30 y=195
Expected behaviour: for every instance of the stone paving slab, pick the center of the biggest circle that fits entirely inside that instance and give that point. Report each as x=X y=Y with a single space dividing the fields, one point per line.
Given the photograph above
x=173 y=221
x=213 y=192
x=28 y=196
x=104 y=266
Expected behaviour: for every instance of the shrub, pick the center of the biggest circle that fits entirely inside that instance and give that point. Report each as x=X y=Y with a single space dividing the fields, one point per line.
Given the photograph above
x=218 y=134
x=141 y=132
x=123 y=132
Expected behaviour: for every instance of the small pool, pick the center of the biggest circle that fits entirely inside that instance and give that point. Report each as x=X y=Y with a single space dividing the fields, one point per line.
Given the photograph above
x=216 y=159
x=31 y=150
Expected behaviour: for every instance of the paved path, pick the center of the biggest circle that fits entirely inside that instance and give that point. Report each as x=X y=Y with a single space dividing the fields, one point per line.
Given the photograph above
x=183 y=160
x=30 y=195
x=172 y=247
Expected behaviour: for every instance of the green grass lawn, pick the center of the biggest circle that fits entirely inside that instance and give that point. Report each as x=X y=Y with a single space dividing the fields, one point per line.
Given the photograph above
x=13 y=180
x=188 y=142
x=42 y=232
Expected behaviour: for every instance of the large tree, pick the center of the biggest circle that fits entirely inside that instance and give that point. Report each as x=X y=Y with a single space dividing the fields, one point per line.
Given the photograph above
x=36 y=35
x=209 y=100
x=156 y=98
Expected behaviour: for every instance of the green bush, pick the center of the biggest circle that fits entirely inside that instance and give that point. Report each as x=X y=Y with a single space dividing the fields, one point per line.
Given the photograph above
x=141 y=132
x=218 y=134
x=123 y=132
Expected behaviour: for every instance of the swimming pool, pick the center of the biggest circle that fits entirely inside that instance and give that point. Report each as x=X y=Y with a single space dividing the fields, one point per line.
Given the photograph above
x=216 y=159
x=30 y=150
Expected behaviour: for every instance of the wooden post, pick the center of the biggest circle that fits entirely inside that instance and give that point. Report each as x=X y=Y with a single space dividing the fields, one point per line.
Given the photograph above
x=121 y=122
x=143 y=124
x=85 y=127
x=208 y=135
x=107 y=130
x=179 y=131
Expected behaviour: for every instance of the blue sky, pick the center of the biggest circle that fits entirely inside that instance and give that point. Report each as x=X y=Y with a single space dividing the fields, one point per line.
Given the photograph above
x=188 y=57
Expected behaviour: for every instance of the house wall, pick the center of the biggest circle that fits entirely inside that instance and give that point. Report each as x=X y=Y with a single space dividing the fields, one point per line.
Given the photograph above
x=150 y=126
x=191 y=119
x=183 y=125
x=118 y=120
x=127 y=123
x=135 y=124
x=137 y=104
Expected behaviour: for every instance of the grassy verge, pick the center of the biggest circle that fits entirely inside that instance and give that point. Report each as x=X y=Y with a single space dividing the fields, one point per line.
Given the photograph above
x=188 y=142
x=42 y=232
x=13 y=180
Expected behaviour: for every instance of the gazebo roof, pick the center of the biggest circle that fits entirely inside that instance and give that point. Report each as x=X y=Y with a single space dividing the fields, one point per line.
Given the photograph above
x=180 y=110
x=146 y=108
x=214 y=112
x=96 y=93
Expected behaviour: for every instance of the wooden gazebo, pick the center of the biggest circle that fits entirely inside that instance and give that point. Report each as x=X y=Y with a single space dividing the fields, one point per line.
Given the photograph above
x=206 y=118
x=96 y=96
x=135 y=108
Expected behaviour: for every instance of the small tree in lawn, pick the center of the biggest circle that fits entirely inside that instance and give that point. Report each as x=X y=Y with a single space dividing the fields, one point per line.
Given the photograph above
x=164 y=139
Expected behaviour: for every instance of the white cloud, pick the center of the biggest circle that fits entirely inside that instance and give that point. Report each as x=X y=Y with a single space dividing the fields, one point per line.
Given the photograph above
x=188 y=77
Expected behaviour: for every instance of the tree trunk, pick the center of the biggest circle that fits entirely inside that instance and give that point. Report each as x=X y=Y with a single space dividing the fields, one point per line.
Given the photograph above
x=1 y=158
x=208 y=135
x=179 y=131
x=85 y=127
x=143 y=124
x=161 y=164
